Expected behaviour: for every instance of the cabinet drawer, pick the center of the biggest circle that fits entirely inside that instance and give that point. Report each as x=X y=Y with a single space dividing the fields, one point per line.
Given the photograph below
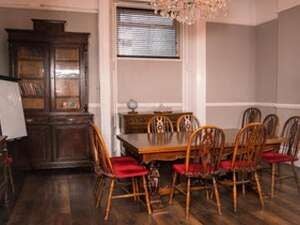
x=70 y=119
x=37 y=119
x=137 y=120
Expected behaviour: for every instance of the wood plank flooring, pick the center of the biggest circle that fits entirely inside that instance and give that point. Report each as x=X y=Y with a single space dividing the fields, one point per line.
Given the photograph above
x=67 y=199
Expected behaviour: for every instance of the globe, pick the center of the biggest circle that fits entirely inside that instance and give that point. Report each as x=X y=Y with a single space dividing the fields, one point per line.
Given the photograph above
x=132 y=104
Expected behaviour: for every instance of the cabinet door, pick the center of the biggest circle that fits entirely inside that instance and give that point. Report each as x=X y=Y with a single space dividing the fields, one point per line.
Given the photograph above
x=68 y=80
x=31 y=66
x=71 y=142
x=38 y=144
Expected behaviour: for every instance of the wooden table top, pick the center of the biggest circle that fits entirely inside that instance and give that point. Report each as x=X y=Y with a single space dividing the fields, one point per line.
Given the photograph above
x=145 y=143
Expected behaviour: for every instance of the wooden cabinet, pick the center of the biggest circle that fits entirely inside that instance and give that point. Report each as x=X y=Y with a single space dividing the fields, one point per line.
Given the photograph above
x=137 y=123
x=38 y=144
x=52 y=67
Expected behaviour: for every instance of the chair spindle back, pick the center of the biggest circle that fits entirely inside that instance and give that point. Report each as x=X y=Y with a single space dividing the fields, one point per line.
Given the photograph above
x=187 y=123
x=100 y=151
x=251 y=115
x=205 y=148
x=291 y=132
x=271 y=122
x=249 y=144
x=160 y=124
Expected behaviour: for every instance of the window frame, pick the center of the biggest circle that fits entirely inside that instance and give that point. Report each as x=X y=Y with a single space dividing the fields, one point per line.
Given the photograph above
x=176 y=25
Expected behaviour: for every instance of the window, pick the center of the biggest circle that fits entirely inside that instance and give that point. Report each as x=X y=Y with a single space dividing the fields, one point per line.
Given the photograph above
x=141 y=33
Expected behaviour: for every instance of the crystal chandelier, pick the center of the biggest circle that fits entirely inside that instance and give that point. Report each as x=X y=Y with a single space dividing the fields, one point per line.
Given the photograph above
x=189 y=11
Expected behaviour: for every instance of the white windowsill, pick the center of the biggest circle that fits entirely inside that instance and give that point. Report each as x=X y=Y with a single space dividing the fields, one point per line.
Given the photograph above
x=149 y=59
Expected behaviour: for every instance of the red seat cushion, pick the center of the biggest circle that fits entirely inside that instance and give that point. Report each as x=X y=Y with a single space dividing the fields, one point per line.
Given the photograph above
x=123 y=160
x=194 y=169
x=8 y=161
x=275 y=157
x=128 y=170
x=227 y=165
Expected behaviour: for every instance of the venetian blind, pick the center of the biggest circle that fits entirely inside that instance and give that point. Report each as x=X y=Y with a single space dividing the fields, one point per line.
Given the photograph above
x=141 y=33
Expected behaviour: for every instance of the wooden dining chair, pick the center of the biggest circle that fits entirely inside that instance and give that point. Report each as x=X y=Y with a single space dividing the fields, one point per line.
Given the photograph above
x=249 y=144
x=251 y=115
x=160 y=124
x=108 y=170
x=271 y=122
x=95 y=157
x=203 y=154
x=187 y=123
x=287 y=153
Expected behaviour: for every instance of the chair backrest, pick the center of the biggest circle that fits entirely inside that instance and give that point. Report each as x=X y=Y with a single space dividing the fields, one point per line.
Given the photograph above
x=271 y=122
x=249 y=144
x=204 y=149
x=291 y=132
x=187 y=123
x=100 y=153
x=251 y=115
x=160 y=124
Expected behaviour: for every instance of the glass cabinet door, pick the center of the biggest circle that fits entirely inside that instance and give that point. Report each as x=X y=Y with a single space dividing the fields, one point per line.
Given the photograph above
x=31 y=63
x=67 y=79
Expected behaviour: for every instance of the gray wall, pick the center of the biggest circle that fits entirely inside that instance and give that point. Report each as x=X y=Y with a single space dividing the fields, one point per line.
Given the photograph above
x=266 y=61
x=289 y=56
x=76 y=22
x=230 y=60
x=230 y=71
x=149 y=81
x=272 y=49
x=289 y=62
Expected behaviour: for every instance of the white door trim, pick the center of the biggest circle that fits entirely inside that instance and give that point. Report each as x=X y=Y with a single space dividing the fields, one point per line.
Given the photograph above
x=104 y=27
x=201 y=71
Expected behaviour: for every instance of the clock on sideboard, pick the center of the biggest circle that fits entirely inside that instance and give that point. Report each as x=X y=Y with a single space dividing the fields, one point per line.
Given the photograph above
x=52 y=67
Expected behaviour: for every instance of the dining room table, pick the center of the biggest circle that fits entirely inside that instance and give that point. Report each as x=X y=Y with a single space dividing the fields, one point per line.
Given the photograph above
x=172 y=146
x=149 y=149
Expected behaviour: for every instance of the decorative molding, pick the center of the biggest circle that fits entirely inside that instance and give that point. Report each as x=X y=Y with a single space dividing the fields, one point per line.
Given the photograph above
x=211 y=104
x=186 y=69
x=68 y=8
x=105 y=70
x=288 y=106
x=287 y=4
x=262 y=104
x=230 y=104
x=48 y=7
x=94 y=105
x=200 y=71
x=152 y=104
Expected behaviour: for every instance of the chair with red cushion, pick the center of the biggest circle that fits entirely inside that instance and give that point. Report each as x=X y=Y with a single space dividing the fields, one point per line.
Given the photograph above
x=287 y=152
x=108 y=170
x=203 y=154
x=114 y=159
x=248 y=147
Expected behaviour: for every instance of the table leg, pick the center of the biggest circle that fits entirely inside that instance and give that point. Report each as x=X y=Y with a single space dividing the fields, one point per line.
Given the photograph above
x=154 y=187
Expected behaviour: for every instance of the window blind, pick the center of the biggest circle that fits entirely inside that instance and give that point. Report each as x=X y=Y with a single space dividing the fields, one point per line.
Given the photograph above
x=141 y=33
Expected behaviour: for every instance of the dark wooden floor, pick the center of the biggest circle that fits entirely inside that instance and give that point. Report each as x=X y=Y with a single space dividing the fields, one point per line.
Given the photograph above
x=67 y=199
